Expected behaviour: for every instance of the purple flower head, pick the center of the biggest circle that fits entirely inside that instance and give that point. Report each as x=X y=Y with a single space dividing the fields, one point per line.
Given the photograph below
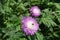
x=35 y=11
x=30 y=25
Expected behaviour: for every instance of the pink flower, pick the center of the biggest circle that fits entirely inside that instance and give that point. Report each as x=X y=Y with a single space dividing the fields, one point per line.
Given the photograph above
x=30 y=25
x=35 y=11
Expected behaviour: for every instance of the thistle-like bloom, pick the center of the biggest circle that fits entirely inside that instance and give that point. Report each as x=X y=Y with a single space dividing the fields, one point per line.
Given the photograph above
x=30 y=25
x=35 y=11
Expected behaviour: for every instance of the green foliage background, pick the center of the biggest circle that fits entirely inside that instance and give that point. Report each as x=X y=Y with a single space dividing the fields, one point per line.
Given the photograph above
x=12 y=11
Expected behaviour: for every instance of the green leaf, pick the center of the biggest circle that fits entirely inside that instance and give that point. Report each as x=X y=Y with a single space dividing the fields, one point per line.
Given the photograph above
x=29 y=37
x=40 y=36
x=57 y=5
x=18 y=28
x=47 y=19
x=55 y=34
x=48 y=22
x=23 y=39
